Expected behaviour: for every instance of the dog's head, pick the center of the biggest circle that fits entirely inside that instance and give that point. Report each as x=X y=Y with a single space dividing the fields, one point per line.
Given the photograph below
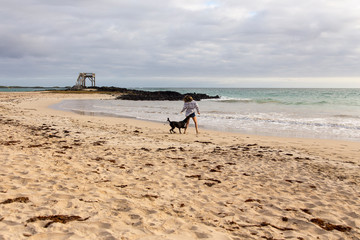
x=185 y=120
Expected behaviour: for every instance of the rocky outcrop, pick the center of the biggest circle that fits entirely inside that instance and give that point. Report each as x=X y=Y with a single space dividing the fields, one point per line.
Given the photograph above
x=139 y=95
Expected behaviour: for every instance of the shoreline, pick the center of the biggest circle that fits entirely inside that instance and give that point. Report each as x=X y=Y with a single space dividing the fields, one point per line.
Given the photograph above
x=262 y=131
x=120 y=178
x=315 y=144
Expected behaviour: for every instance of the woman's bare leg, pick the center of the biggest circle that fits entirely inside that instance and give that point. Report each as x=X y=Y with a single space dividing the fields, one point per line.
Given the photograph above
x=196 y=125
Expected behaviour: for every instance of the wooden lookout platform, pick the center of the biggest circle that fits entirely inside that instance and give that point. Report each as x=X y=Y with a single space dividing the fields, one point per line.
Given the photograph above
x=81 y=81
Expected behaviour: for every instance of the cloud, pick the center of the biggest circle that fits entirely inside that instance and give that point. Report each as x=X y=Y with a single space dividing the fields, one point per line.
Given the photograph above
x=178 y=39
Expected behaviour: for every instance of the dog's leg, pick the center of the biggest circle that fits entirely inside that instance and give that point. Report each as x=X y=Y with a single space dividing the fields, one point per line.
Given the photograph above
x=172 y=130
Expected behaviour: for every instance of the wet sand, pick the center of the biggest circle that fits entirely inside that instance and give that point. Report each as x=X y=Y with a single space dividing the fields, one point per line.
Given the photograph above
x=69 y=176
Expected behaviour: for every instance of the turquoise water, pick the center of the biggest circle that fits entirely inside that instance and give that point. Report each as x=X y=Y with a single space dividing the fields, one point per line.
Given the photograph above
x=305 y=113
x=286 y=96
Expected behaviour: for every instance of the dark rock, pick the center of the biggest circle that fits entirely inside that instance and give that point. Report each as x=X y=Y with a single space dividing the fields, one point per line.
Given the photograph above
x=139 y=95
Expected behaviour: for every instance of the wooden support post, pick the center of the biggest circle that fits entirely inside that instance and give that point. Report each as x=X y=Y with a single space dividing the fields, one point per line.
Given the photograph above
x=81 y=80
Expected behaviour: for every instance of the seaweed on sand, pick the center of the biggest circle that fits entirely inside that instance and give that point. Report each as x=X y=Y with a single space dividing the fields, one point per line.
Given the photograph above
x=56 y=219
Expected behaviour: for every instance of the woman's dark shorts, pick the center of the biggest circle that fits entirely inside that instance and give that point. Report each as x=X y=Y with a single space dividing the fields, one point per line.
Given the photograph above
x=192 y=115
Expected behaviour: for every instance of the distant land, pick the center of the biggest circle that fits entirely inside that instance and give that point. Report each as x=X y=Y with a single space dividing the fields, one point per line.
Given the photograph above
x=125 y=94
x=31 y=87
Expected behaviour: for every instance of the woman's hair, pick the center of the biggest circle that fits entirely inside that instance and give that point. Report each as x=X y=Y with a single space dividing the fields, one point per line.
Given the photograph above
x=188 y=98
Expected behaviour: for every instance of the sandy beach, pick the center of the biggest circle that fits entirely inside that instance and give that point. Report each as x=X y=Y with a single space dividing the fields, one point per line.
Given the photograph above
x=69 y=176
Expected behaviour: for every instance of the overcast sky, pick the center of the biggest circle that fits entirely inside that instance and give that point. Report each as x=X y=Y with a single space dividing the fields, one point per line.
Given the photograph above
x=181 y=43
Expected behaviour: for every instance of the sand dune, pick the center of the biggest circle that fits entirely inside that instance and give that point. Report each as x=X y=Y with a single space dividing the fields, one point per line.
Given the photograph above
x=68 y=176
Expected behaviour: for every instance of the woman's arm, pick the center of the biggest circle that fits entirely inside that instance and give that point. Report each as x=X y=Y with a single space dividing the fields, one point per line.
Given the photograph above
x=184 y=108
x=197 y=108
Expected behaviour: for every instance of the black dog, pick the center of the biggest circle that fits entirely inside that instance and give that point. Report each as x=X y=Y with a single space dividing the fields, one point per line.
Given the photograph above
x=179 y=125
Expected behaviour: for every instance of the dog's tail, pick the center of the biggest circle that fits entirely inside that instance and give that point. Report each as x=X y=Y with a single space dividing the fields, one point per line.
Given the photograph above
x=168 y=120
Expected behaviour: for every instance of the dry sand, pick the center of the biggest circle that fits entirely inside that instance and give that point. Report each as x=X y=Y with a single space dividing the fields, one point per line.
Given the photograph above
x=68 y=176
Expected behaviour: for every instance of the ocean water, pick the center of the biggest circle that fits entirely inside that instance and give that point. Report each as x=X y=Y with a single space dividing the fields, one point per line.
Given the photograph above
x=304 y=113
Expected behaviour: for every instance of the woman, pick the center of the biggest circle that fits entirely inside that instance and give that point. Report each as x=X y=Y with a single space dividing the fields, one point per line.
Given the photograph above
x=190 y=105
